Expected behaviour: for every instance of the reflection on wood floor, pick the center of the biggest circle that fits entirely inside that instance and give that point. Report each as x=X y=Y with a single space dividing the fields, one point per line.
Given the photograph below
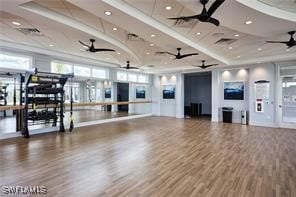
x=8 y=124
x=155 y=156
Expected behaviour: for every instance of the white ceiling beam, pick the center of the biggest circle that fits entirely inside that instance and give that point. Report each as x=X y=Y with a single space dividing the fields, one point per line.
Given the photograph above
x=269 y=10
x=17 y=46
x=51 y=14
x=275 y=58
x=133 y=12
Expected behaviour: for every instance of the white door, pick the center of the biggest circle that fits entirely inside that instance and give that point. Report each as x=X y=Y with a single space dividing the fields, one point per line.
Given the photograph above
x=287 y=102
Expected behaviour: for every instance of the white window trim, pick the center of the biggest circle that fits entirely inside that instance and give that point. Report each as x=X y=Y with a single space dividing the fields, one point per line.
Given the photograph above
x=99 y=68
x=62 y=62
x=18 y=55
x=84 y=66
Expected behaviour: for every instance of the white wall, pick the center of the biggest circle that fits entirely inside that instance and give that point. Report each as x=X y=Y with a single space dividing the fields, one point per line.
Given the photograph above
x=249 y=75
x=168 y=107
x=139 y=108
x=268 y=117
x=238 y=105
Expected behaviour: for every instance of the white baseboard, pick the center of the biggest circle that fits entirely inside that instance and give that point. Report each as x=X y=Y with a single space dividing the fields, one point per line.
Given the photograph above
x=263 y=124
x=14 y=134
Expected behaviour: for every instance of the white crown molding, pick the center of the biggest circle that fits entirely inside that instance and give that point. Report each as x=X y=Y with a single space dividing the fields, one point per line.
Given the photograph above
x=16 y=46
x=275 y=58
x=127 y=9
x=269 y=10
x=56 y=16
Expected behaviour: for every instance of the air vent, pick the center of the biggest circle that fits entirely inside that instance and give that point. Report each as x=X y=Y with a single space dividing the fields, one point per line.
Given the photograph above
x=226 y=41
x=134 y=37
x=30 y=31
x=185 y=24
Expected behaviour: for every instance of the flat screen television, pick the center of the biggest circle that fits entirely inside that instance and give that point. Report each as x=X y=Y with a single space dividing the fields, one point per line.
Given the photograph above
x=234 y=90
x=168 y=92
x=108 y=93
x=140 y=93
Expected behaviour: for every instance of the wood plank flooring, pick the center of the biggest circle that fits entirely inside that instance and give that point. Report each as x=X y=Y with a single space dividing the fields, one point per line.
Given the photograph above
x=8 y=124
x=155 y=157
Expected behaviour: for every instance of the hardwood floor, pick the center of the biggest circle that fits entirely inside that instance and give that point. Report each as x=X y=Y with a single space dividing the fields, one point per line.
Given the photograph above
x=155 y=157
x=8 y=124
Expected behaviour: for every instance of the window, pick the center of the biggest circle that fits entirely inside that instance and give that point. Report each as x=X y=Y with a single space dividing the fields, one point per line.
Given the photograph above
x=81 y=71
x=122 y=76
x=62 y=68
x=15 y=61
x=142 y=79
x=132 y=77
x=99 y=73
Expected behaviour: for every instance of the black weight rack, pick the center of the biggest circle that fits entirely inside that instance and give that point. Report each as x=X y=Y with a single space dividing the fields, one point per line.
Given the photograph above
x=3 y=96
x=44 y=99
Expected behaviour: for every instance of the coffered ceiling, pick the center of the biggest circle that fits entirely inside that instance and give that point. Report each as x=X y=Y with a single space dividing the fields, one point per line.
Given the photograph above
x=63 y=22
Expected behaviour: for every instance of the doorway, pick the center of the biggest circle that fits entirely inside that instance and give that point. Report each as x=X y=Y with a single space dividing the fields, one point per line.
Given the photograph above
x=122 y=95
x=287 y=102
x=198 y=94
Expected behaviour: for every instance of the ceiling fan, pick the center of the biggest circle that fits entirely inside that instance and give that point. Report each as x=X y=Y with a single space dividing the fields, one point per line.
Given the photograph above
x=128 y=66
x=205 y=15
x=92 y=49
x=290 y=43
x=178 y=55
x=204 y=66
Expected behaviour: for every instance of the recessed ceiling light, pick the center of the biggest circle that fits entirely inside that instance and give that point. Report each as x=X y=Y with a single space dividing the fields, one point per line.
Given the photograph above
x=147 y=53
x=108 y=13
x=151 y=44
x=152 y=36
x=259 y=49
x=16 y=23
x=248 y=22
x=165 y=63
x=114 y=28
x=198 y=33
x=118 y=53
x=230 y=47
x=238 y=56
x=236 y=35
x=51 y=45
x=168 y=7
x=287 y=50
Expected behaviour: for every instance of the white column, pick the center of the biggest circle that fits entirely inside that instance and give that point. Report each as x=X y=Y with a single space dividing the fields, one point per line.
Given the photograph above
x=114 y=96
x=215 y=96
x=180 y=96
x=155 y=95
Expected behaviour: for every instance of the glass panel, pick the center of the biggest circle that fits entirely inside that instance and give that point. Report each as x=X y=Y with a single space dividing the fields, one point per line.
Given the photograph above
x=9 y=83
x=82 y=71
x=289 y=99
x=14 y=62
x=63 y=68
x=142 y=79
x=122 y=76
x=132 y=77
x=99 y=73
x=76 y=91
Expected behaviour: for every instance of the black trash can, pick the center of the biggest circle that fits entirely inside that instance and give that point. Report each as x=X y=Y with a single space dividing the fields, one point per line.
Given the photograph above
x=227 y=114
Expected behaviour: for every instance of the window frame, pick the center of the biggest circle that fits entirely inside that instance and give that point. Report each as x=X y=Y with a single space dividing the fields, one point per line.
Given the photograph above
x=82 y=66
x=61 y=62
x=18 y=55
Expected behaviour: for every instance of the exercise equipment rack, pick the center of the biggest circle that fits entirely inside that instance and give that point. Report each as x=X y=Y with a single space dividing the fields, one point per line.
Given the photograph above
x=44 y=99
x=3 y=96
